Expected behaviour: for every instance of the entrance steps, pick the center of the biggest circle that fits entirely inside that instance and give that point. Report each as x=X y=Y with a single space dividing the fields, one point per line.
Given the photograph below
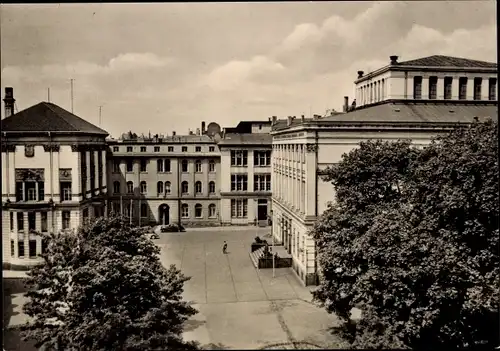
x=284 y=258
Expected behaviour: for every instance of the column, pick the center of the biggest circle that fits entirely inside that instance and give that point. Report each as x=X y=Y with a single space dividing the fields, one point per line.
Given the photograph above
x=425 y=87
x=26 y=235
x=87 y=162
x=454 y=87
x=485 y=88
x=310 y=192
x=440 y=88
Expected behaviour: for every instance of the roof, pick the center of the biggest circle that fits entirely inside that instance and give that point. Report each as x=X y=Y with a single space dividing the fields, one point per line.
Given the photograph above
x=246 y=139
x=398 y=112
x=447 y=61
x=48 y=117
x=245 y=127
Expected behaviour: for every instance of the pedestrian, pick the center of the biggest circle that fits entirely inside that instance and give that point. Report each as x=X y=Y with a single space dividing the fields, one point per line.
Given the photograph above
x=224 y=248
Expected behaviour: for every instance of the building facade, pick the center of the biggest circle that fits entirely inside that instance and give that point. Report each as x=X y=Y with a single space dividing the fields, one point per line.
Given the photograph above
x=53 y=176
x=166 y=180
x=303 y=148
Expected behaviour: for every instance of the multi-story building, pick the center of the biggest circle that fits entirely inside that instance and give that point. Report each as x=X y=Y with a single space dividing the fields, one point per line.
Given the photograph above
x=246 y=173
x=53 y=176
x=163 y=180
x=414 y=100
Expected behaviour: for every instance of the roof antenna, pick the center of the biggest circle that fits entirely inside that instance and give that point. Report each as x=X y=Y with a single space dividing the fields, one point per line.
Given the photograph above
x=71 y=80
x=48 y=94
x=100 y=108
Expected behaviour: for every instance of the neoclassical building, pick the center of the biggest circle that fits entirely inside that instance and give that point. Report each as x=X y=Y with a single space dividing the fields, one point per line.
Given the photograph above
x=53 y=176
x=414 y=100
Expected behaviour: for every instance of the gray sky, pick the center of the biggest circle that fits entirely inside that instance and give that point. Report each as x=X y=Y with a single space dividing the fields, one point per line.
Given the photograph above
x=163 y=67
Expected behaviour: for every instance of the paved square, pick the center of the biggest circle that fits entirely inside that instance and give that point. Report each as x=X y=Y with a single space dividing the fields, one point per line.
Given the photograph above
x=240 y=306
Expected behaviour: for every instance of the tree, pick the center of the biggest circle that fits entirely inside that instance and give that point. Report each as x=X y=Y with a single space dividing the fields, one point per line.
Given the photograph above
x=104 y=288
x=412 y=240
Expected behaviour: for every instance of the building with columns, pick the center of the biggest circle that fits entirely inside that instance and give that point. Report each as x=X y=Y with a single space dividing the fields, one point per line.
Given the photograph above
x=303 y=148
x=53 y=176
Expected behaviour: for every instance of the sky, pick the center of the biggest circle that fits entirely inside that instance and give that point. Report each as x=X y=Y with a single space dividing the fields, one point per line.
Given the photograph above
x=164 y=67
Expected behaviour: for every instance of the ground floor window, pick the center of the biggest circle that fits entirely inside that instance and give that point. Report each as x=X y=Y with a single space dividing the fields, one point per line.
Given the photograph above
x=184 y=211
x=66 y=218
x=212 y=211
x=12 y=248
x=45 y=244
x=239 y=208
x=20 y=248
x=32 y=248
x=144 y=210
x=198 y=211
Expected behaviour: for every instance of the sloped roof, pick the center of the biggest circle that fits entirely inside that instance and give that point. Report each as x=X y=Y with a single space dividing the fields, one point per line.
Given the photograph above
x=48 y=117
x=246 y=139
x=447 y=61
x=397 y=112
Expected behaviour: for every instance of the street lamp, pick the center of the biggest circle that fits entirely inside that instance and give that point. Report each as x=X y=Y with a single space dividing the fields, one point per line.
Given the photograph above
x=272 y=238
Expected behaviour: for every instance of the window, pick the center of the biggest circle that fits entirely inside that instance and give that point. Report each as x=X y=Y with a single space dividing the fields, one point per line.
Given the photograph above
x=130 y=187
x=11 y=221
x=239 y=182
x=262 y=158
x=43 y=219
x=30 y=191
x=41 y=191
x=143 y=166
x=170 y=149
x=66 y=217
x=20 y=248
x=31 y=221
x=198 y=166
x=184 y=188
x=116 y=166
x=260 y=126
x=159 y=165
x=211 y=148
x=462 y=88
x=198 y=213
x=116 y=187
x=129 y=148
x=12 y=248
x=130 y=166
x=184 y=149
x=157 y=149
x=239 y=158
x=433 y=81
x=447 y=87
x=184 y=166
x=168 y=188
x=198 y=149
x=184 y=211
x=85 y=215
x=239 y=208
x=211 y=187
x=417 y=87
x=65 y=191
x=262 y=182
x=167 y=165
x=159 y=188
x=144 y=210
x=19 y=191
x=212 y=211
x=198 y=187
x=144 y=187
x=129 y=210
x=32 y=248
x=211 y=166
x=20 y=221
x=116 y=149
x=143 y=149
x=492 y=91
x=477 y=88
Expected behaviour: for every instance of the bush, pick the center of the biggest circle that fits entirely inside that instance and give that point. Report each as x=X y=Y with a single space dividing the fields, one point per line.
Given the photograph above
x=412 y=240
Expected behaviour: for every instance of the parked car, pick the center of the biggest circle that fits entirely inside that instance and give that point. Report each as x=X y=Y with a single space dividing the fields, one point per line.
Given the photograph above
x=154 y=236
x=171 y=228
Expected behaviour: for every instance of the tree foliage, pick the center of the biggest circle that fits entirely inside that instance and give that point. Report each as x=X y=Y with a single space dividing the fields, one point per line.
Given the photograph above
x=104 y=288
x=412 y=240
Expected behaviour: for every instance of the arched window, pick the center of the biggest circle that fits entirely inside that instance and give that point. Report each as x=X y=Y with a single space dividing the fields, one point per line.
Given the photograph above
x=184 y=187
x=144 y=187
x=198 y=213
x=211 y=187
x=167 y=165
x=168 y=188
x=184 y=166
x=116 y=187
x=211 y=166
x=198 y=166
x=159 y=165
x=212 y=211
x=130 y=187
x=184 y=211
x=198 y=187
x=159 y=188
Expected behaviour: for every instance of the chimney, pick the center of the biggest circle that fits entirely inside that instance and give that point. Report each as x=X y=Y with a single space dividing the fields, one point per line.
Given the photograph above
x=360 y=74
x=289 y=121
x=9 y=102
x=173 y=133
x=203 y=128
x=315 y=116
x=394 y=60
x=274 y=120
x=303 y=118
x=198 y=131
x=346 y=104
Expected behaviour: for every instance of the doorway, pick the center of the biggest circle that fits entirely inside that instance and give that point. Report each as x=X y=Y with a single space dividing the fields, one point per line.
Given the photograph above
x=262 y=212
x=164 y=214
